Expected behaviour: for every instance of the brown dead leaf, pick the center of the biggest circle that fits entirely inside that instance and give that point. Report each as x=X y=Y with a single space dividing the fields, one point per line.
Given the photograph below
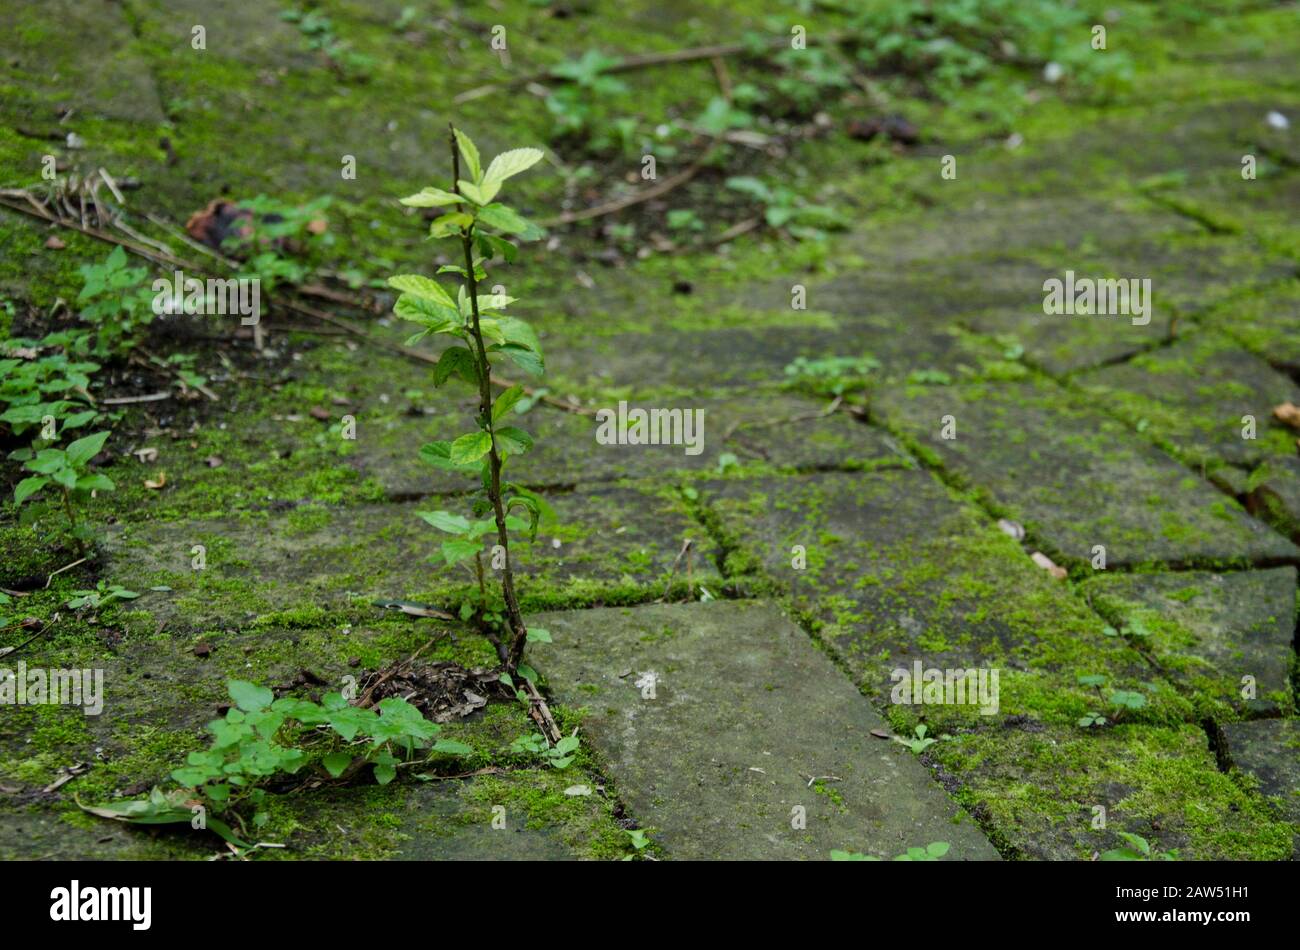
x=317 y=226
x=156 y=483
x=215 y=461
x=1288 y=413
x=54 y=244
x=146 y=455
x=320 y=412
x=881 y=733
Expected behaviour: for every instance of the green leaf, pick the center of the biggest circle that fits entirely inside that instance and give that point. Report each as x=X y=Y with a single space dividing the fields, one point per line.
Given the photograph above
x=511 y=163
x=513 y=441
x=424 y=287
x=83 y=450
x=28 y=487
x=438 y=454
x=470 y=448
x=445 y=521
x=493 y=302
x=506 y=401
x=450 y=224
x=436 y=316
x=95 y=482
x=336 y=762
x=519 y=333
x=469 y=152
x=539 y=635
x=431 y=198
x=457 y=550
x=385 y=772
x=490 y=245
x=457 y=360
x=248 y=696
x=452 y=747
x=509 y=221
x=478 y=195
x=526 y=359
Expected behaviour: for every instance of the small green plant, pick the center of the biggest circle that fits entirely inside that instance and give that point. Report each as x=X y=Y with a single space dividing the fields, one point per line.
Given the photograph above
x=103 y=595
x=831 y=375
x=919 y=742
x=1139 y=849
x=784 y=209
x=115 y=300
x=319 y=36
x=558 y=756
x=274 y=239
x=262 y=738
x=67 y=471
x=1120 y=699
x=639 y=840
x=43 y=385
x=931 y=852
x=481 y=329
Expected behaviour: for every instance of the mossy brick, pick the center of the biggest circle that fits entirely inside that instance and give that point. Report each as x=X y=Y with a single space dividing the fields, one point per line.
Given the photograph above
x=612 y=540
x=1199 y=396
x=1269 y=752
x=1267 y=323
x=747 y=718
x=892 y=570
x=771 y=427
x=1210 y=631
x=1039 y=793
x=1077 y=478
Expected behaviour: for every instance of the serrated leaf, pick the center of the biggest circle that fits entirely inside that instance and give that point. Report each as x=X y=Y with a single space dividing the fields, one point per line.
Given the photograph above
x=512 y=440
x=511 y=163
x=526 y=359
x=519 y=333
x=493 y=301
x=470 y=447
x=431 y=198
x=505 y=219
x=421 y=286
x=437 y=317
x=469 y=152
x=456 y=360
x=506 y=401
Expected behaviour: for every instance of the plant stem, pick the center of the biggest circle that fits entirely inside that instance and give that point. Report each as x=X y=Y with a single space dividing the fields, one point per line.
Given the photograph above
x=514 y=617
x=72 y=520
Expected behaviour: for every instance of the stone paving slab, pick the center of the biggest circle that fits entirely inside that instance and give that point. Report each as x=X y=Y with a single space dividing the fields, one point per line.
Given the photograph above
x=1194 y=395
x=746 y=711
x=1076 y=478
x=1267 y=323
x=771 y=427
x=1210 y=630
x=601 y=539
x=1269 y=751
x=1041 y=792
x=899 y=573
